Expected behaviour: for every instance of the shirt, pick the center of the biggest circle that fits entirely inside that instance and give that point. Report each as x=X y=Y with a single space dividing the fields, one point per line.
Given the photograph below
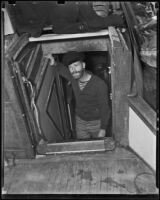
x=82 y=84
x=92 y=102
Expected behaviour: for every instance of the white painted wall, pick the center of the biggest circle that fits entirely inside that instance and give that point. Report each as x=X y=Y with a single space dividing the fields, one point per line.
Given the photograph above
x=8 y=29
x=141 y=139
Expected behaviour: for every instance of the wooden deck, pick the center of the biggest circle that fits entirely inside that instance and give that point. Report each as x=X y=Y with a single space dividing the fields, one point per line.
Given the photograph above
x=111 y=172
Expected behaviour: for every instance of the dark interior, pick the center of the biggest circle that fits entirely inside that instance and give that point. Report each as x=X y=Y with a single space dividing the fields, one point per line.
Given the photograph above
x=97 y=62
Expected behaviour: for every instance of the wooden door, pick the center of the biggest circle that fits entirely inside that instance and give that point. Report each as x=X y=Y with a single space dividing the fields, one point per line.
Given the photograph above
x=50 y=101
x=30 y=87
x=44 y=92
x=19 y=141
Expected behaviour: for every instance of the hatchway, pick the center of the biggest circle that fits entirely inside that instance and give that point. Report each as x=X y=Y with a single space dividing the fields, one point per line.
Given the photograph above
x=96 y=62
x=62 y=121
x=42 y=96
x=94 y=46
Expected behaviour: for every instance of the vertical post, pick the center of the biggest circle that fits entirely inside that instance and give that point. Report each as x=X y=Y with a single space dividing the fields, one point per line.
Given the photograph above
x=120 y=78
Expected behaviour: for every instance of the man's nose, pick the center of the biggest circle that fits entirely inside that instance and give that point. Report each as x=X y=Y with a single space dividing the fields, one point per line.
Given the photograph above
x=74 y=71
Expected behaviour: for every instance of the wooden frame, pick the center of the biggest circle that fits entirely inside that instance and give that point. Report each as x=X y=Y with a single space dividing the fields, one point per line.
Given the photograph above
x=121 y=58
x=121 y=78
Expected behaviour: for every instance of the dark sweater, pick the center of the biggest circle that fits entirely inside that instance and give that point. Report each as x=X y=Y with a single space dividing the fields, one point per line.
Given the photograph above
x=92 y=102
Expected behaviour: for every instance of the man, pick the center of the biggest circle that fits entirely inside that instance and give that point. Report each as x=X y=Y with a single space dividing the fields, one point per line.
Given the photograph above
x=91 y=95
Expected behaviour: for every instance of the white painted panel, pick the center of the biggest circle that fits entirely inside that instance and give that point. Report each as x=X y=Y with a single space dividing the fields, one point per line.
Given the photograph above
x=141 y=139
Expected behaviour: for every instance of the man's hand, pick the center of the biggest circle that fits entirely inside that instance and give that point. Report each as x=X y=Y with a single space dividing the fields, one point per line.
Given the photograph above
x=52 y=60
x=102 y=133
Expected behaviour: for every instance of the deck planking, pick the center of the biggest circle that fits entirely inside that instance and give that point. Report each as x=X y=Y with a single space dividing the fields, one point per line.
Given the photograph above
x=88 y=173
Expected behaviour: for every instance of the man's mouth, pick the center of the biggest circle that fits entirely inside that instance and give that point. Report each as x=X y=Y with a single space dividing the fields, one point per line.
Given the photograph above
x=76 y=73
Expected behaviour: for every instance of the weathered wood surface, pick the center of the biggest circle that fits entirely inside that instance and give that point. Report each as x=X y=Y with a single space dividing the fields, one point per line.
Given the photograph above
x=138 y=72
x=121 y=78
x=77 y=146
x=150 y=86
x=16 y=139
x=84 y=44
x=17 y=46
x=89 y=173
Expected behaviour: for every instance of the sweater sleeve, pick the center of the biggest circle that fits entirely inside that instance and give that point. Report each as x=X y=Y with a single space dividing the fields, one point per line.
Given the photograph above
x=103 y=99
x=63 y=71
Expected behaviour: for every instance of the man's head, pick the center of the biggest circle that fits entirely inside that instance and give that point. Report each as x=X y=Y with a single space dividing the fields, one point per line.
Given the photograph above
x=75 y=63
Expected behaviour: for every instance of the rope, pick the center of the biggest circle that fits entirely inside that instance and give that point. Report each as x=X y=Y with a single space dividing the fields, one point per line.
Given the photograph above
x=142 y=173
x=33 y=105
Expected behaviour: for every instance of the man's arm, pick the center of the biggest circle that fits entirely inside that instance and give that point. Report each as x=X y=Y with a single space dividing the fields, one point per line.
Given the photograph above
x=60 y=68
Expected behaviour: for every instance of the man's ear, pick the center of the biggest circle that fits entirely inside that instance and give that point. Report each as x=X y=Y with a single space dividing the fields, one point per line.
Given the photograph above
x=84 y=65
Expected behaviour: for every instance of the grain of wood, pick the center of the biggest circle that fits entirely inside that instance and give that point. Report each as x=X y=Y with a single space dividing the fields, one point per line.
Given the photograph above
x=103 y=173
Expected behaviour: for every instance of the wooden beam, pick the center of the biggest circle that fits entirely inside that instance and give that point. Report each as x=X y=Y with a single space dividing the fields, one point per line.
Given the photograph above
x=51 y=37
x=120 y=78
x=75 y=147
x=105 y=144
x=138 y=73
x=84 y=44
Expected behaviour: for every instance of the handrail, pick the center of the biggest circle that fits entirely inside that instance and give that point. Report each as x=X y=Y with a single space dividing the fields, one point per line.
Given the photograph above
x=144 y=111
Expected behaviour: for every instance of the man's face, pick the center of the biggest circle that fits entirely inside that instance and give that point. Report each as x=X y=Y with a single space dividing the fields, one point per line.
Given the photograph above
x=77 y=69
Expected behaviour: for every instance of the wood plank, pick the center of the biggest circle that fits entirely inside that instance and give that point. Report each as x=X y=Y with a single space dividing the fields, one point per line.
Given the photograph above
x=17 y=46
x=35 y=61
x=71 y=176
x=121 y=79
x=123 y=42
x=64 y=180
x=54 y=172
x=85 y=44
x=118 y=153
x=85 y=177
x=138 y=72
x=121 y=70
x=75 y=147
x=150 y=86
x=79 y=176
x=115 y=41
x=50 y=37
